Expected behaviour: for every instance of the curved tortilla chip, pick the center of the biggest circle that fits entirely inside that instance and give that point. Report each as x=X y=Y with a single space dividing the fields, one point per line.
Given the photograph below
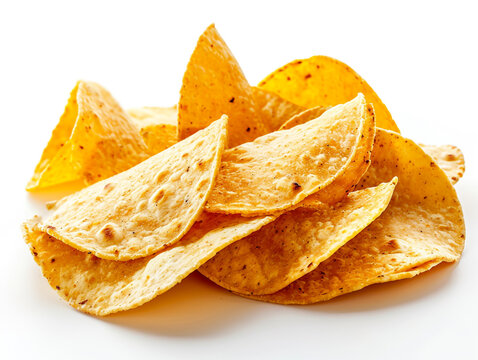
x=274 y=110
x=422 y=226
x=157 y=126
x=94 y=140
x=449 y=158
x=295 y=244
x=303 y=117
x=100 y=287
x=213 y=85
x=278 y=170
x=324 y=81
x=146 y=208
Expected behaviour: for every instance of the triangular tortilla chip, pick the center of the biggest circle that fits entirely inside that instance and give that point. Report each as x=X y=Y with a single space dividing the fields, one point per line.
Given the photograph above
x=295 y=244
x=422 y=226
x=213 y=85
x=303 y=117
x=157 y=126
x=278 y=170
x=324 y=81
x=102 y=287
x=274 y=110
x=94 y=140
x=449 y=158
x=146 y=208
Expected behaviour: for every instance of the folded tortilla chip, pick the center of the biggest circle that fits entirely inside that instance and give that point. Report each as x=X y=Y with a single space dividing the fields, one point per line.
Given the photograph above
x=324 y=81
x=157 y=126
x=449 y=158
x=146 y=208
x=100 y=287
x=303 y=117
x=422 y=226
x=274 y=110
x=296 y=243
x=94 y=140
x=214 y=84
x=278 y=170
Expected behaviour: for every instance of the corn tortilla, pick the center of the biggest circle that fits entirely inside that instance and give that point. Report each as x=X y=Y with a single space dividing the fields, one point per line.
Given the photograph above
x=449 y=158
x=93 y=140
x=278 y=170
x=100 y=287
x=324 y=81
x=146 y=208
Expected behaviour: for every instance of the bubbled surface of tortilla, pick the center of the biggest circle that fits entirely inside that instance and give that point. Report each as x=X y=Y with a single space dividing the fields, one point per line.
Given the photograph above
x=93 y=140
x=422 y=226
x=100 y=287
x=295 y=243
x=280 y=169
x=324 y=81
x=449 y=158
x=146 y=208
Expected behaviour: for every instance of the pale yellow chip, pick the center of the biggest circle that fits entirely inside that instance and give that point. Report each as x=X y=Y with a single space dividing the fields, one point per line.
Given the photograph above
x=274 y=110
x=278 y=170
x=94 y=140
x=296 y=243
x=102 y=287
x=303 y=117
x=146 y=208
x=324 y=81
x=449 y=158
x=422 y=226
x=213 y=85
x=157 y=126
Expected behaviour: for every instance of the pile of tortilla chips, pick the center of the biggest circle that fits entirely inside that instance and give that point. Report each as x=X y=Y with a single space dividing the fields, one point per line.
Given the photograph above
x=293 y=192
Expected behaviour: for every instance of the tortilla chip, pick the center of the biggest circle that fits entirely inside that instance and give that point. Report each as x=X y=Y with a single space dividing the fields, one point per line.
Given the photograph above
x=449 y=158
x=146 y=208
x=324 y=81
x=93 y=140
x=157 y=126
x=274 y=110
x=102 y=287
x=422 y=226
x=280 y=169
x=295 y=244
x=213 y=85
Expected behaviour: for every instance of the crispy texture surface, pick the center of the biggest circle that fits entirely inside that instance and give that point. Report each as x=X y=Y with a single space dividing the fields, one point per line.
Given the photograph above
x=303 y=117
x=274 y=110
x=422 y=226
x=94 y=140
x=100 y=287
x=214 y=84
x=449 y=158
x=296 y=243
x=278 y=170
x=324 y=81
x=157 y=126
x=146 y=208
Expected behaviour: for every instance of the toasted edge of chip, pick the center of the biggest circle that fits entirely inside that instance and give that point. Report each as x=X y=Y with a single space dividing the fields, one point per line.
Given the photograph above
x=450 y=158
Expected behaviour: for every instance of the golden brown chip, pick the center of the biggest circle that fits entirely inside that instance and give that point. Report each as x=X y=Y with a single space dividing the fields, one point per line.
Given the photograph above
x=213 y=85
x=422 y=226
x=94 y=140
x=146 y=208
x=102 y=287
x=449 y=158
x=295 y=244
x=278 y=170
x=157 y=126
x=274 y=110
x=324 y=81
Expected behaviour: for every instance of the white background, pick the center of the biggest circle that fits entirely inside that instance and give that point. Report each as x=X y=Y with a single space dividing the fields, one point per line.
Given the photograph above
x=421 y=58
